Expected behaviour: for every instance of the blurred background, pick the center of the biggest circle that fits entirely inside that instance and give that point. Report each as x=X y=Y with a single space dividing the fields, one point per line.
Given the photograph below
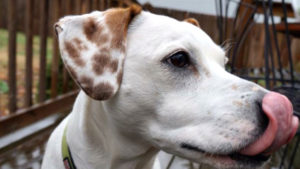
x=261 y=38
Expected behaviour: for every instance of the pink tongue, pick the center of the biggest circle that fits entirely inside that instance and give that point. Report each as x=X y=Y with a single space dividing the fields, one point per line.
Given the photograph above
x=282 y=125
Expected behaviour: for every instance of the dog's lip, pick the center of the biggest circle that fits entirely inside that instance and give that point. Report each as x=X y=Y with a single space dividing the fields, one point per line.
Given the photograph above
x=244 y=158
x=257 y=159
x=191 y=147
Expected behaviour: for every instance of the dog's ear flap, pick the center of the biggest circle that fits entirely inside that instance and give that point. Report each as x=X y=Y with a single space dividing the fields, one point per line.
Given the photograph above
x=93 y=49
x=192 y=21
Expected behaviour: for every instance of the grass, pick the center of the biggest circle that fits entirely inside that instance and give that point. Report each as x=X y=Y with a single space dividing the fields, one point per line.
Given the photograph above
x=20 y=61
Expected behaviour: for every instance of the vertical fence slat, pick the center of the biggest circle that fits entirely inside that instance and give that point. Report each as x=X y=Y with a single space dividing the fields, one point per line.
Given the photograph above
x=81 y=6
x=28 y=64
x=55 y=56
x=89 y=5
x=77 y=6
x=44 y=7
x=73 y=6
x=84 y=6
x=108 y=4
x=1 y=17
x=67 y=4
x=12 y=55
x=102 y=5
x=95 y=4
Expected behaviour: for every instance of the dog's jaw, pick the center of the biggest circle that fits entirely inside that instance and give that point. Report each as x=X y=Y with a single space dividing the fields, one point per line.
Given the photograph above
x=96 y=142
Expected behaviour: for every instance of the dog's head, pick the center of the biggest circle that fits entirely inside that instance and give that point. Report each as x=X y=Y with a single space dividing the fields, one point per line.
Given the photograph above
x=172 y=89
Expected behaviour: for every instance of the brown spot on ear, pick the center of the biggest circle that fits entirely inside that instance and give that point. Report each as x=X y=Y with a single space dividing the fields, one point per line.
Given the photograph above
x=103 y=38
x=86 y=83
x=90 y=28
x=104 y=50
x=88 y=90
x=115 y=21
x=74 y=53
x=100 y=61
x=114 y=65
x=118 y=20
x=192 y=21
x=77 y=41
x=94 y=32
x=79 y=44
x=102 y=91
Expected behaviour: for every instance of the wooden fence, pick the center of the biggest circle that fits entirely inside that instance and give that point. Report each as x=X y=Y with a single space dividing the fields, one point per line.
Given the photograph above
x=56 y=82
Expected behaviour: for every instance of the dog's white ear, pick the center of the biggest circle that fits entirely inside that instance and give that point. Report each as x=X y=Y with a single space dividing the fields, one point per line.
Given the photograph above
x=192 y=21
x=93 y=49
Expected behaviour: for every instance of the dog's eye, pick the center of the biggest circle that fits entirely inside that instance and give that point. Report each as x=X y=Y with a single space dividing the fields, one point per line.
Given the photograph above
x=179 y=59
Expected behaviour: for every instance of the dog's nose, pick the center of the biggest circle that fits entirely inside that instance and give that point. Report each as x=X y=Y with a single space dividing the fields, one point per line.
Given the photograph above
x=281 y=128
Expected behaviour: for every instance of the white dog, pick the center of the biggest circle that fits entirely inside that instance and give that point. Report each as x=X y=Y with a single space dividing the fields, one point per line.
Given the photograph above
x=150 y=83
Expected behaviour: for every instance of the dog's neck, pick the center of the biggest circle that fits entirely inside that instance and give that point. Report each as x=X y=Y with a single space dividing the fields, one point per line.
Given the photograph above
x=95 y=142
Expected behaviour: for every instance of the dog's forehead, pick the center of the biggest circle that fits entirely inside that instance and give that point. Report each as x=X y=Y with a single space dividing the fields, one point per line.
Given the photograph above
x=160 y=31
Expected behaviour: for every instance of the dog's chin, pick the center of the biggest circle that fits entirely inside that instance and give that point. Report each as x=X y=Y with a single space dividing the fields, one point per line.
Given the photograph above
x=231 y=160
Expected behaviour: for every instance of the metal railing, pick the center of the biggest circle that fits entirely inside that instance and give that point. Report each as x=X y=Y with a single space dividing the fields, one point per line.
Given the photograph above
x=272 y=74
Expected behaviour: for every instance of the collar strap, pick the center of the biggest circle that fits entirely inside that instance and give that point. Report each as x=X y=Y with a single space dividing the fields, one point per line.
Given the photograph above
x=66 y=153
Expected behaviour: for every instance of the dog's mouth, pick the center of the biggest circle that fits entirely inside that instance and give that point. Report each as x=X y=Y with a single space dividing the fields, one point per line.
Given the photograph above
x=235 y=156
x=282 y=127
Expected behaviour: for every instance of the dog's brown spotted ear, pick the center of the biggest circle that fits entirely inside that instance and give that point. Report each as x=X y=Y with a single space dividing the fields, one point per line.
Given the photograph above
x=192 y=21
x=93 y=49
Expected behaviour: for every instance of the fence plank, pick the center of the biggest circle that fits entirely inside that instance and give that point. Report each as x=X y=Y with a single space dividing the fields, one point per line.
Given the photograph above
x=108 y=4
x=81 y=6
x=36 y=139
x=37 y=112
x=28 y=64
x=77 y=6
x=67 y=4
x=12 y=55
x=89 y=5
x=102 y=5
x=44 y=7
x=1 y=15
x=55 y=56
x=95 y=4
